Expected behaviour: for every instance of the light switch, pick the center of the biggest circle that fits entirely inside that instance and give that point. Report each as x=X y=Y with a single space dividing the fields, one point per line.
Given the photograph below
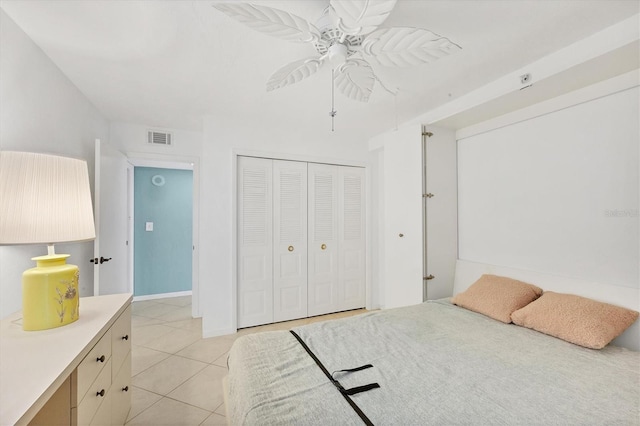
x=149 y=226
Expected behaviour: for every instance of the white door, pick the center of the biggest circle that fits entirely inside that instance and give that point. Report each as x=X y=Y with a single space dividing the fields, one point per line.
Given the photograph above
x=289 y=240
x=255 y=242
x=323 y=239
x=351 y=238
x=403 y=217
x=442 y=212
x=111 y=259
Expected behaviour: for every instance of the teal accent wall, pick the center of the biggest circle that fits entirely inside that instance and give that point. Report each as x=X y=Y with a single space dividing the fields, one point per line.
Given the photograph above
x=162 y=257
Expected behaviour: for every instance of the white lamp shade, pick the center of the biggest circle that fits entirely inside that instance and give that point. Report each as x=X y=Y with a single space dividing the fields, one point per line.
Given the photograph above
x=44 y=199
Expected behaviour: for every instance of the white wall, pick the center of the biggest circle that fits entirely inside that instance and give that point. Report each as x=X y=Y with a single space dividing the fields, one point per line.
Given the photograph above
x=41 y=110
x=223 y=139
x=557 y=192
x=376 y=273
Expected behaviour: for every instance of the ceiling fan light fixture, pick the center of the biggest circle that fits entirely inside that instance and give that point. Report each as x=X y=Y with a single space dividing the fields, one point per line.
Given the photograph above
x=338 y=54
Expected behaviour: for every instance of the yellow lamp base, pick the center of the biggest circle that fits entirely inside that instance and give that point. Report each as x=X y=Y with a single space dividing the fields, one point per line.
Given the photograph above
x=50 y=295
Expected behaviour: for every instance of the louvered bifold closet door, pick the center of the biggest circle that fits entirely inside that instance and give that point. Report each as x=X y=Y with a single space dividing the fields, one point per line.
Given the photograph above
x=323 y=239
x=289 y=240
x=351 y=238
x=255 y=241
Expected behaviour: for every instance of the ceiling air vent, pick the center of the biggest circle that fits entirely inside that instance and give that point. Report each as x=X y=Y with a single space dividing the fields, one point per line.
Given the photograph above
x=159 y=138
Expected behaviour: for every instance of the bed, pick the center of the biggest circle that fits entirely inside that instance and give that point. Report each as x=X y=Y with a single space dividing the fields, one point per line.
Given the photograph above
x=435 y=363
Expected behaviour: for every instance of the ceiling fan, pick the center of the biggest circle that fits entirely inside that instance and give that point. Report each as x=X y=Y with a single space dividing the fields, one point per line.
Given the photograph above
x=348 y=36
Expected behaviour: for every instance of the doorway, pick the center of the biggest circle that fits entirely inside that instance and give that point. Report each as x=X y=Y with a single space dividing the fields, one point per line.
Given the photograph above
x=163 y=163
x=163 y=232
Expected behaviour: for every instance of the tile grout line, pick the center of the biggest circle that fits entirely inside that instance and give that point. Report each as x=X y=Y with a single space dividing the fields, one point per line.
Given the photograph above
x=176 y=400
x=165 y=323
x=155 y=393
x=183 y=382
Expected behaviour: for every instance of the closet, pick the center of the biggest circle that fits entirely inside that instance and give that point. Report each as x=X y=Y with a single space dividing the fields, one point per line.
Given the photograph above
x=301 y=245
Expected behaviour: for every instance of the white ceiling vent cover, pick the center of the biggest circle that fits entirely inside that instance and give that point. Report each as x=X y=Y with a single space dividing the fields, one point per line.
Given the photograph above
x=156 y=137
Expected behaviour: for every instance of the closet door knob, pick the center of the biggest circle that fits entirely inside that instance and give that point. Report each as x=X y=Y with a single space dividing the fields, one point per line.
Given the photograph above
x=125 y=389
x=125 y=337
x=290 y=248
x=323 y=247
x=101 y=393
x=101 y=359
x=400 y=235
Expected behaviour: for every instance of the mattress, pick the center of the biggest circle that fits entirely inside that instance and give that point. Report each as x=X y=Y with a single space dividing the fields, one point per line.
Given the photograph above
x=436 y=363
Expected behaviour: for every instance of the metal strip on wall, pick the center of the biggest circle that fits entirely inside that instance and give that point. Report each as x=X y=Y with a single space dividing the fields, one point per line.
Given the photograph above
x=425 y=196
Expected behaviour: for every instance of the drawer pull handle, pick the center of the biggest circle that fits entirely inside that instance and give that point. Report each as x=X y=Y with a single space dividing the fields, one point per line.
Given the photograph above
x=125 y=337
x=125 y=389
x=101 y=393
x=101 y=359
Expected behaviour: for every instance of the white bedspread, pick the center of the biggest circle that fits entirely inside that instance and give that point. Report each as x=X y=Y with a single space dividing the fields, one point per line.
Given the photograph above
x=436 y=363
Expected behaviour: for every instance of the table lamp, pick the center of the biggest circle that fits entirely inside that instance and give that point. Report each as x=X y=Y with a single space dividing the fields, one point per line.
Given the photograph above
x=45 y=199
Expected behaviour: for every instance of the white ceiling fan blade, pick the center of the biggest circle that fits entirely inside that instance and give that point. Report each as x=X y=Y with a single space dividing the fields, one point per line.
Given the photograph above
x=293 y=73
x=359 y=17
x=403 y=47
x=355 y=79
x=274 y=22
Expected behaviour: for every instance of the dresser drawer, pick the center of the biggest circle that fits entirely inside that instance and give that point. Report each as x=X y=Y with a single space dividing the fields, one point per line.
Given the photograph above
x=95 y=395
x=103 y=415
x=120 y=341
x=93 y=364
x=121 y=393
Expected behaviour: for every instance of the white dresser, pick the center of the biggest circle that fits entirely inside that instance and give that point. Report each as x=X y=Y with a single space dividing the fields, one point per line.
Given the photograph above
x=78 y=374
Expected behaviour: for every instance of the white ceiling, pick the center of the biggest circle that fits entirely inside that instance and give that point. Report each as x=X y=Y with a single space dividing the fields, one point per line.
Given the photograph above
x=169 y=63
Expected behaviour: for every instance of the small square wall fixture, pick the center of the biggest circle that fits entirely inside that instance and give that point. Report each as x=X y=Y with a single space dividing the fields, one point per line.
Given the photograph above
x=46 y=199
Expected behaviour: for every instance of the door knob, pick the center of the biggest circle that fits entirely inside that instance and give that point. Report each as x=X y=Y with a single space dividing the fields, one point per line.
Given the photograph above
x=290 y=248
x=95 y=260
x=323 y=247
x=400 y=235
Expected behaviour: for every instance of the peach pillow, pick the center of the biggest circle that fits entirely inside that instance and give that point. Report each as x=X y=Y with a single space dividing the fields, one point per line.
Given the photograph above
x=575 y=319
x=497 y=297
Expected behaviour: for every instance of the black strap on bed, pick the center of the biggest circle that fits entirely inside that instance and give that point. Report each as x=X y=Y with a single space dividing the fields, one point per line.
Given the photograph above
x=351 y=370
x=345 y=392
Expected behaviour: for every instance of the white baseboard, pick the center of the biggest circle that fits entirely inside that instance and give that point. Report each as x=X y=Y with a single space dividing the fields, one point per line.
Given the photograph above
x=161 y=296
x=217 y=332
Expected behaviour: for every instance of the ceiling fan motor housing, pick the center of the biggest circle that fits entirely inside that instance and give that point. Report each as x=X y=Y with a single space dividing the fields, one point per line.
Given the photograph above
x=331 y=36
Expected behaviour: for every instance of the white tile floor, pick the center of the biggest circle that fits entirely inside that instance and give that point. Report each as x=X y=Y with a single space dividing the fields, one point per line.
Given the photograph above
x=177 y=375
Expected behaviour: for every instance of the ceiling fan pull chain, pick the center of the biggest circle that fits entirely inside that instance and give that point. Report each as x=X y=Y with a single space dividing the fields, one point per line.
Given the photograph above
x=333 y=109
x=395 y=107
x=385 y=87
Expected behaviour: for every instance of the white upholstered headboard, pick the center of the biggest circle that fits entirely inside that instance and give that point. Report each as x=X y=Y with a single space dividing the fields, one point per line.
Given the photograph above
x=468 y=272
